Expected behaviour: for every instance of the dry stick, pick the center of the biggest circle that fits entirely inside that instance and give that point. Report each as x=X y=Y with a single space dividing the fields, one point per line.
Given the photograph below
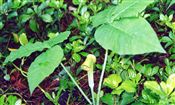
x=73 y=80
x=101 y=77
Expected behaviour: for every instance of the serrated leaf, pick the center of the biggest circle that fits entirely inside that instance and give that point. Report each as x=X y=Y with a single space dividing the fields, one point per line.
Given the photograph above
x=43 y=66
x=127 y=8
x=128 y=36
x=112 y=81
x=25 y=51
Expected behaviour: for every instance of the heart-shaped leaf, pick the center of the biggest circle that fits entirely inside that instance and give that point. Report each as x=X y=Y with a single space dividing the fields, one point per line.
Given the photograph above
x=26 y=50
x=127 y=8
x=29 y=48
x=43 y=66
x=128 y=36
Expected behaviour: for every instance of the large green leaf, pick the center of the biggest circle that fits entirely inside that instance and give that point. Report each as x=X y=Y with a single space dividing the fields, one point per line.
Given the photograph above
x=29 y=48
x=26 y=50
x=43 y=66
x=60 y=38
x=127 y=8
x=128 y=36
x=102 y=17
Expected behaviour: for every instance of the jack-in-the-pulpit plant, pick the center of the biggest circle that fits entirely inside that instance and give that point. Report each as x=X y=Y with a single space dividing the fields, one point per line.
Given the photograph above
x=121 y=29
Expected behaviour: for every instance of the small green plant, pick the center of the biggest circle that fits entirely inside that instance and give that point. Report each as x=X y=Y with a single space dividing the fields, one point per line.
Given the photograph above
x=119 y=27
x=164 y=90
x=10 y=100
x=128 y=85
x=167 y=20
x=47 y=61
x=170 y=43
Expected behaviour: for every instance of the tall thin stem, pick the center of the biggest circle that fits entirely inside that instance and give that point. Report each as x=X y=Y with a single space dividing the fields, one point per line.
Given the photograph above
x=93 y=97
x=101 y=77
x=91 y=84
x=73 y=80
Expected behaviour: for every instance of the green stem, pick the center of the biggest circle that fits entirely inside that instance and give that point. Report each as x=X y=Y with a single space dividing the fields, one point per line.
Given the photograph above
x=93 y=97
x=101 y=77
x=67 y=103
x=91 y=84
x=73 y=80
x=17 y=94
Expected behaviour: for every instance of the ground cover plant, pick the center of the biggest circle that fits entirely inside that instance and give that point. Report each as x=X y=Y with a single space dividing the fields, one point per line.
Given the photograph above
x=87 y=52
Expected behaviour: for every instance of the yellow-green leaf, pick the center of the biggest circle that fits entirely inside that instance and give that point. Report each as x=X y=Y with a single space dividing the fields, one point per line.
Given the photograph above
x=170 y=83
x=23 y=39
x=112 y=81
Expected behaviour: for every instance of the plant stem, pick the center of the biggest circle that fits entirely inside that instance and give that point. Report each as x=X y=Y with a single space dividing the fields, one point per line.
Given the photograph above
x=22 y=72
x=91 y=84
x=93 y=98
x=101 y=77
x=73 y=80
